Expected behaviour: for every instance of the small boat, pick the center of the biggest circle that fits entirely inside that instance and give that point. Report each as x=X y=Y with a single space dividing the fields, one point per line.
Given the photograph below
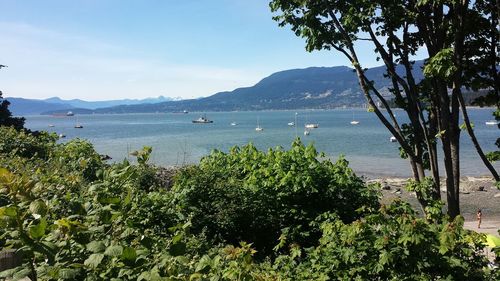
x=291 y=124
x=491 y=122
x=70 y=113
x=202 y=120
x=78 y=125
x=312 y=126
x=234 y=123
x=62 y=136
x=258 y=128
x=51 y=125
x=393 y=139
x=354 y=122
x=306 y=133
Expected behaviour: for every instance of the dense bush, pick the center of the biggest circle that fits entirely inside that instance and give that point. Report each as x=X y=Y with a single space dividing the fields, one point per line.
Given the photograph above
x=24 y=144
x=392 y=244
x=249 y=195
x=69 y=224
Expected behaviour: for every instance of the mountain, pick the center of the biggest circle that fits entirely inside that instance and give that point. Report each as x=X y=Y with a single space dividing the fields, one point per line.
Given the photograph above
x=314 y=87
x=107 y=103
x=22 y=107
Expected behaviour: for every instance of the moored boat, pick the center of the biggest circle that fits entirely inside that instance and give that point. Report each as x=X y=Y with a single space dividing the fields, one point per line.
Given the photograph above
x=312 y=126
x=202 y=120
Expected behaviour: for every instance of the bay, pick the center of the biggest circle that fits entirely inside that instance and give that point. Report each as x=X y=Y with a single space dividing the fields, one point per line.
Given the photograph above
x=177 y=141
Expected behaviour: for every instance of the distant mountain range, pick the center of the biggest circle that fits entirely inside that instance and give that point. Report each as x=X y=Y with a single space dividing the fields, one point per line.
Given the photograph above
x=22 y=106
x=309 y=88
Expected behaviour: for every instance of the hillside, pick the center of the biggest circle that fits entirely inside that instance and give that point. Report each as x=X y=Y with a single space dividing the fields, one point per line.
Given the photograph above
x=78 y=103
x=312 y=88
x=21 y=106
x=309 y=88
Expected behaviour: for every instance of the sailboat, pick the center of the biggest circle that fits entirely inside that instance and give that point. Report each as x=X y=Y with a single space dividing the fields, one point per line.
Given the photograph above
x=354 y=122
x=258 y=128
x=292 y=124
x=78 y=125
x=307 y=132
x=311 y=125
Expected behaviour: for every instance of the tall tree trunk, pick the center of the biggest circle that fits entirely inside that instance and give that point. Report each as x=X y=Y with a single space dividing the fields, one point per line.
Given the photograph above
x=433 y=156
x=454 y=200
x=474 y=139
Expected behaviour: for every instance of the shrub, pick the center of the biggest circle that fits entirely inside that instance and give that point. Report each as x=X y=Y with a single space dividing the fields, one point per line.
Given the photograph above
x=25 y=144
x=79 y=155
x=248 y=195
x=392 y=244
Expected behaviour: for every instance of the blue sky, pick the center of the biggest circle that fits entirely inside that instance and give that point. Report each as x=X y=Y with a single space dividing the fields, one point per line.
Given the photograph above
x=111 y=49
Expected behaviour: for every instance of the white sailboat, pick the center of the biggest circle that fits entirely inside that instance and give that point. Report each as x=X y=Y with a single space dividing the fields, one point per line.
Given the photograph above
x=354 y=122
x=258 y=128
x=310 y=125
x=78 y=125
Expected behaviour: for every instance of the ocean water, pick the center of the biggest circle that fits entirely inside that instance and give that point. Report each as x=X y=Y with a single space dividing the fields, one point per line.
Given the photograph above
x=176 y=140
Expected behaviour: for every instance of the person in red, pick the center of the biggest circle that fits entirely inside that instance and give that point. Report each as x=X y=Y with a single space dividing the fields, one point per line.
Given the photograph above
x=479 y=215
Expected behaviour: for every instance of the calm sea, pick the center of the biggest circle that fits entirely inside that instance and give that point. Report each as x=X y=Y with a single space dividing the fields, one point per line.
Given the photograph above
x=176 y=140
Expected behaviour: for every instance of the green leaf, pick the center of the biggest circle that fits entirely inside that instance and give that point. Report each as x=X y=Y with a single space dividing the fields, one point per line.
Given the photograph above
x=10 y=272
x=10 y=211
x=129 y=254
x=38 y=230
x=38 y=207
x=94 y=260
x=204 y=264
x=96 y=246
x=114 y=251
x=144 y=276
x=68 y=273
x=21 y=274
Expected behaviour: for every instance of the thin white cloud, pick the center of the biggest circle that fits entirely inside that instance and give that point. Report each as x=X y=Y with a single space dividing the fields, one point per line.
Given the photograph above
x=45 y=63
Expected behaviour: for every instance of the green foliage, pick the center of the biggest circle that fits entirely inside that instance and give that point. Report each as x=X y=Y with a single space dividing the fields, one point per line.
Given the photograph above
x=433 y=208
x=70 y=223
x=24 y=144
x=249 y=195
x=441 y=65
x=392 y=244
x=6 y=119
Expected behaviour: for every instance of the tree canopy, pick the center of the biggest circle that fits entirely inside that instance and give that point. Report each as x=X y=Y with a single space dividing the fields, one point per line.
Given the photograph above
x=460 y=39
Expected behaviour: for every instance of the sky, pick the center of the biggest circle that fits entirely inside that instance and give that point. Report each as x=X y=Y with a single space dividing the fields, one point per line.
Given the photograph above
x=115 y=49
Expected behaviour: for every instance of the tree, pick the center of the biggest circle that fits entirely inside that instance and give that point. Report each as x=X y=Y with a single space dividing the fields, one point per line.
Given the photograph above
x=397 y=29
x=6 y=118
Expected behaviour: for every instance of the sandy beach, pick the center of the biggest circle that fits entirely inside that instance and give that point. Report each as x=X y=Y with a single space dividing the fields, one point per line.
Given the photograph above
x=475 y=193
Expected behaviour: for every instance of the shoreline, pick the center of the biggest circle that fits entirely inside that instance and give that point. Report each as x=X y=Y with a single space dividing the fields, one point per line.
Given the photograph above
x=475 y=193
